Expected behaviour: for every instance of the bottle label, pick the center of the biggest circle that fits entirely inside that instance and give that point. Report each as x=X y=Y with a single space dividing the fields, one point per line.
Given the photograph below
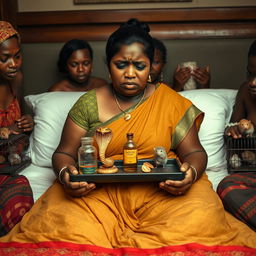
x=87 y=168
x=130 y=156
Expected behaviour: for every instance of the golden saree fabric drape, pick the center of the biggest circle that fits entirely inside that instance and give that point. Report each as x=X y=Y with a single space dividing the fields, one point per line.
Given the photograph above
x=138 y=214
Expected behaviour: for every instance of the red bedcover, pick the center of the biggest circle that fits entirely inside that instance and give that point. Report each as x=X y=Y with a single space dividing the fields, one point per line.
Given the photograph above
x=70 y=249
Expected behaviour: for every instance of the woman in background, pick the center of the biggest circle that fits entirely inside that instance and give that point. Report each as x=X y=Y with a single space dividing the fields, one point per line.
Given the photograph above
x=238 y=190
x=11 y=98
x=16 y=195
x=75 y=61
x=181 y=75
x=160 y=56
x=201 y=75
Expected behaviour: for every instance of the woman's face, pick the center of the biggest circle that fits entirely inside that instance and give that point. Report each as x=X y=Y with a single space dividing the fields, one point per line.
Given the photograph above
x=157 y=66
x=129 y=70
x=251 y=67
x=10 y=58
x=252 y=86
x=79 y=66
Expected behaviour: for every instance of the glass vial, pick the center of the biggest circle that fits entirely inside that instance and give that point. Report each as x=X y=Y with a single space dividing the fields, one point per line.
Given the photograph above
x=130 y=154
x=87 y=156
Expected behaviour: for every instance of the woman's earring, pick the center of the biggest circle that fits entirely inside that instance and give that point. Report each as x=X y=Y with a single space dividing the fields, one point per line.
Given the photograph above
x=149 y=79
x=161 y=77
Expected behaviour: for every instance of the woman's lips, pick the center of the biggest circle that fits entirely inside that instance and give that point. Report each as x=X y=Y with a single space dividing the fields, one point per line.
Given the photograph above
x=12 y=74
x=129 y=85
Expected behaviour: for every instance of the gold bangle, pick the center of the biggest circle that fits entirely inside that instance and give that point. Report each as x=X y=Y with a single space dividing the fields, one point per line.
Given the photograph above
x=60 y=172
x=195 y=171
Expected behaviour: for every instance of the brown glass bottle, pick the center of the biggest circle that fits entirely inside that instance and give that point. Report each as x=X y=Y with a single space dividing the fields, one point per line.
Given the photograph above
x=130 y=154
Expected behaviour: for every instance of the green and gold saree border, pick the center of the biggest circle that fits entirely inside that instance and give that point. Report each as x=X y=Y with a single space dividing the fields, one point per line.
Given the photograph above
x=185 y=124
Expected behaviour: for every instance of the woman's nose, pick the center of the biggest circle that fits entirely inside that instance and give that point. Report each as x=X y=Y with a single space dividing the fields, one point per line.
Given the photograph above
x=13 y=63
x=253 y=82
x=80 y=68
x=130 y=72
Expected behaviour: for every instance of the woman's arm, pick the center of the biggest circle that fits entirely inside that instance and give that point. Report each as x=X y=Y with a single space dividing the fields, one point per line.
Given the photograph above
x=65 y=159
x=193 y=162
x=239 y=112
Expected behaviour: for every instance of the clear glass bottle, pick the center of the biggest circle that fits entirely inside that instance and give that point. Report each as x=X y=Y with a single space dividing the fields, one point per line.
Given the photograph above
x=130 y=154
x=87 y=156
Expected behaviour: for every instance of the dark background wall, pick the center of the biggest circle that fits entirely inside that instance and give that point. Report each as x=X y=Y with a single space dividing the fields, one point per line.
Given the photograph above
x=218 y=36
x=227 y=59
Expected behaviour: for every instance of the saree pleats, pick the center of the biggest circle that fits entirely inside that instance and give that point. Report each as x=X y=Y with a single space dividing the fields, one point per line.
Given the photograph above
x=133 y=215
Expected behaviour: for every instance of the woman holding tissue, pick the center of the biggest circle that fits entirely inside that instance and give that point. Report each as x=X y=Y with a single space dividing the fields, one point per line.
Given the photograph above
x=188 y=76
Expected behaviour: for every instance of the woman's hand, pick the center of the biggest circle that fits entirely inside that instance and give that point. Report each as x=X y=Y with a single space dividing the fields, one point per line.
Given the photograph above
x=202 y=77
x=181 y=76
x=180 y=187
x=75 y=189
x=25 y=123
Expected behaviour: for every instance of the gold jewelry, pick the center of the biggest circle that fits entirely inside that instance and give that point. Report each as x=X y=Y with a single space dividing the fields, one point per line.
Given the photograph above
x=128 y=116
x=161 y=77
x=149 y=79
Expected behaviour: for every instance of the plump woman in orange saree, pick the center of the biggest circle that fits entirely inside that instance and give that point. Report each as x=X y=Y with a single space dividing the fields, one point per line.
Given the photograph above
x=141 y=215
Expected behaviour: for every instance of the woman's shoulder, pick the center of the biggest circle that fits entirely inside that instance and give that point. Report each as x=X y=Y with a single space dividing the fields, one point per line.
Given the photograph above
x=61 y=85
x=243 y=92
x=97 y=82
x=88 y=97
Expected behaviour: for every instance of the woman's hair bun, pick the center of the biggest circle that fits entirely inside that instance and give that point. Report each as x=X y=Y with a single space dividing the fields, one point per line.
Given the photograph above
x=133 y=22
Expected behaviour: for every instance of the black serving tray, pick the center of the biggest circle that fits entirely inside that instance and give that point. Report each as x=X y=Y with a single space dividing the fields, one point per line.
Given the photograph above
x=170 y=172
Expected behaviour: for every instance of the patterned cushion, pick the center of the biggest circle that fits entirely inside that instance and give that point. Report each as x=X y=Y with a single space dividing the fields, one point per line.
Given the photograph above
x=16 y=199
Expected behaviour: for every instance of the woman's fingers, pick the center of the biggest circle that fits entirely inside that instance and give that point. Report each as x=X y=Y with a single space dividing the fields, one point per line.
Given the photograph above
x=79 y=188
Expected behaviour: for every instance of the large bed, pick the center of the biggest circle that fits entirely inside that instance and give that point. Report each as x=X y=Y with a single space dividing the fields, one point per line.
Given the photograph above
x=50 y=113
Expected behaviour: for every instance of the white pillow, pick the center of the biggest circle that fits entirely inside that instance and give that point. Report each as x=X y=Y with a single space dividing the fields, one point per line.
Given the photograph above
x=50 y=111
x=217 y=104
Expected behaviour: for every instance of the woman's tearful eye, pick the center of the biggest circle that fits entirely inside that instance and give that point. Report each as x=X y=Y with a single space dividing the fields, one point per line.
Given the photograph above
x=121 y=64
x=139 y=65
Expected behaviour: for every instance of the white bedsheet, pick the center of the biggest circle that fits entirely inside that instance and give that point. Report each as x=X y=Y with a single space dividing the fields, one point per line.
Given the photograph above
x=40 y=178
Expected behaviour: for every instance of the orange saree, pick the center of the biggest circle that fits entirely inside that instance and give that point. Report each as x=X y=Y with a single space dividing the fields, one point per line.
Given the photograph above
x=138 y=215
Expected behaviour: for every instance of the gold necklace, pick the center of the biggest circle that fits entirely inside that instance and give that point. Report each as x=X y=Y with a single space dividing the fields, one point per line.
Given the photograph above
x=128 y=116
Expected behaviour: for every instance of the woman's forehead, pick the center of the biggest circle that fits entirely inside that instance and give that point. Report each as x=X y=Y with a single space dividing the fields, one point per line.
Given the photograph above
x=10 y=44
x=133 y=51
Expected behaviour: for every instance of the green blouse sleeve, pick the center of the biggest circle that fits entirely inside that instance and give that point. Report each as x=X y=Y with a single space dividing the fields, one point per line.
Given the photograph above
x=85 y=111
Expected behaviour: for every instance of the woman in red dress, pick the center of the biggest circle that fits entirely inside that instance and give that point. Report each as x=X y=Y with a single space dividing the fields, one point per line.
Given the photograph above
x=16 y=194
